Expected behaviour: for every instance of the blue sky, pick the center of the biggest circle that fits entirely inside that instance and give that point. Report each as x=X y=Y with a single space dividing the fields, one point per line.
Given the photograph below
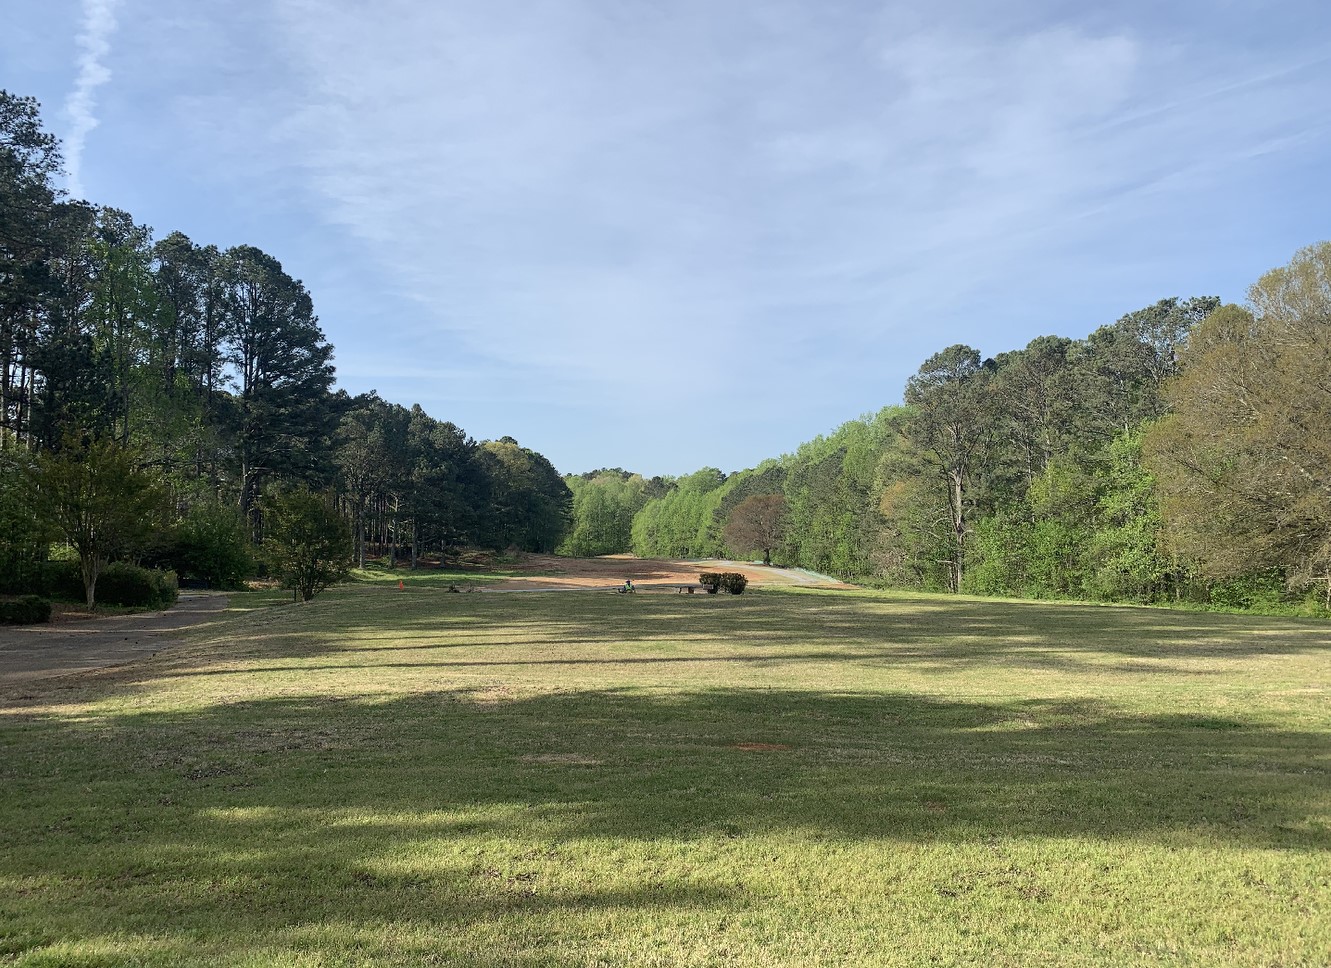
x=663 y=235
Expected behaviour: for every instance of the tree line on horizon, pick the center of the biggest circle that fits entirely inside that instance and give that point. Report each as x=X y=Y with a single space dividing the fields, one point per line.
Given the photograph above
x=209 y=368
x=1180 y=454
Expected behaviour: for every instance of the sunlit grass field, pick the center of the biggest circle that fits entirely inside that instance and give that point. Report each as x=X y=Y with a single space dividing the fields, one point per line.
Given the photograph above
x=782 y=778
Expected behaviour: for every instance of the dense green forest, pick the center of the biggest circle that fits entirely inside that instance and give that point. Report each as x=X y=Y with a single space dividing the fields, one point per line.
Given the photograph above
x=1182 y=453
x=197 y=380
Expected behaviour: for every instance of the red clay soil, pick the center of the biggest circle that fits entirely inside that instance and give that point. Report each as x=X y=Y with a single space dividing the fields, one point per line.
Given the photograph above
x=647 y=574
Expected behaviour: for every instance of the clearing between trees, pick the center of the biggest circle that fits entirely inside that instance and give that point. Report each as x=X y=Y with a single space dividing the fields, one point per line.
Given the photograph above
x=648 y=574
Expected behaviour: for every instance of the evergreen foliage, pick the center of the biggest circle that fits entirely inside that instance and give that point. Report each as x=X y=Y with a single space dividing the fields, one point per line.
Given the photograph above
x=208 y=366
x=733 y=582
x=723 y=581
x=24 y=538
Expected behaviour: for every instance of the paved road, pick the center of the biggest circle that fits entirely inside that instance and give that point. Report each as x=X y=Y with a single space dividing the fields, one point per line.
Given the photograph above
x=30 y=652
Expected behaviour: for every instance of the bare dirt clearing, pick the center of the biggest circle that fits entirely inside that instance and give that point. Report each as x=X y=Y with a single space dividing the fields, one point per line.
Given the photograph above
x=548 y=572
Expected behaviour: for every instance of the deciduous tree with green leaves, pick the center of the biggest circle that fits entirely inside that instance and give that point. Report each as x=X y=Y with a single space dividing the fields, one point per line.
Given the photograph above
x=1244 y=460
x=604 y=503
x=99 y=498
x=951 y=426
x=307 y=543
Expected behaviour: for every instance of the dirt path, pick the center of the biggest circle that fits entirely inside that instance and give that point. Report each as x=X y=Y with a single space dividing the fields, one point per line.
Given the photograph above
x=550 y=573
x=30 y=652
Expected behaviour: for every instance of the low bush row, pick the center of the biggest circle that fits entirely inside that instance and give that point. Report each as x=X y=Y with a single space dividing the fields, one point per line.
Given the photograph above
x=119 y=584
x=134 y=587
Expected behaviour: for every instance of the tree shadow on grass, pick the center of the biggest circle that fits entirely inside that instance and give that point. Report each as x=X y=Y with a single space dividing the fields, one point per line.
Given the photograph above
x=959 y=634
x=615 y=640
x=634 y=765
x=448 y=812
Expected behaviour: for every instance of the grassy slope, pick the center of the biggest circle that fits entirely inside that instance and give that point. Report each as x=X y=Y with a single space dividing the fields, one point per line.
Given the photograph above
x=545 y=779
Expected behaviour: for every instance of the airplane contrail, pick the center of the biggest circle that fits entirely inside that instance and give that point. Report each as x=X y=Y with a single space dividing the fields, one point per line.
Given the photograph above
x=94 y=43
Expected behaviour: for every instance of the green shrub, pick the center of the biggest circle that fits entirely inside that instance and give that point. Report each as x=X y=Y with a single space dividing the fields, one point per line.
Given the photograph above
x=134 y=587
x=730 y=581
x=212 y=546
x=1257 y=591
x=60 y=579
x=118 y=584
x=21 y=561
x=734 y=582
x=28 y=610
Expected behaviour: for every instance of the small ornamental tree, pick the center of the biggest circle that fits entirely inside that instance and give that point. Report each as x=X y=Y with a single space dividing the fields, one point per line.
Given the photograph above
x=758 y=523
x=98 y=498
x=308 y=545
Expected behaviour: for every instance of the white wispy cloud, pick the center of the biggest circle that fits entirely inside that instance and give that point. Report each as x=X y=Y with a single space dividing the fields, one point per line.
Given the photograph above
x=582 y=202
x=94 y=44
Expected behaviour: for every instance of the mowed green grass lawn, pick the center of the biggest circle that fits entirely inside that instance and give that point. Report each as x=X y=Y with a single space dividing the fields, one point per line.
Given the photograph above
x=782 y=778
